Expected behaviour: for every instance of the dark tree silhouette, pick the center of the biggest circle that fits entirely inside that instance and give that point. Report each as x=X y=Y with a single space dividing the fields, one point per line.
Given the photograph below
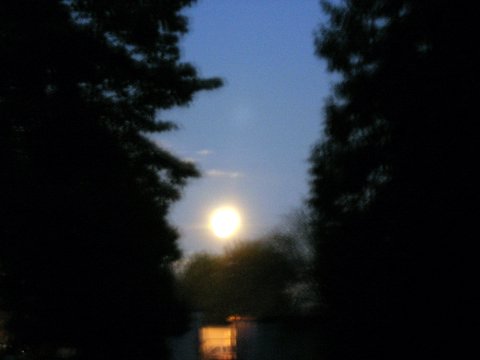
x=392 y=183
x=85 y=246
x=250 y=278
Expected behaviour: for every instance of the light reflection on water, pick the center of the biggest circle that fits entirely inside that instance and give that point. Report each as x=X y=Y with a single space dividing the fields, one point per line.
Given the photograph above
x=245 y=339
x=218 y=342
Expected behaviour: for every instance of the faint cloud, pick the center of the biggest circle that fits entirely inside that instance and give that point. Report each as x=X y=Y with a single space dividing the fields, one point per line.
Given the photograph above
x=224 y=174
x=243 y=115
x=204 y=152
x=189 y=160
x=161 y=143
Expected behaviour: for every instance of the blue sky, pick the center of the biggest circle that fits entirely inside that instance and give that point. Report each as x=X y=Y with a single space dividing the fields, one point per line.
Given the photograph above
x=252 y=138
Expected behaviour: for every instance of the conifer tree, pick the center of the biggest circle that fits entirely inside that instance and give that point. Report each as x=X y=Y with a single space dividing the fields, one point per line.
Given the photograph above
x=85 y=245
x=391 y=176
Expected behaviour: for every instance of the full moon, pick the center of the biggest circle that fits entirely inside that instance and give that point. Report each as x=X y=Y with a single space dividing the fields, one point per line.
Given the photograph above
x=224 y=222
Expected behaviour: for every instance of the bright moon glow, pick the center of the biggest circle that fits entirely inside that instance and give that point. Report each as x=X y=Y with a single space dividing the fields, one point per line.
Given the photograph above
x=224 y=222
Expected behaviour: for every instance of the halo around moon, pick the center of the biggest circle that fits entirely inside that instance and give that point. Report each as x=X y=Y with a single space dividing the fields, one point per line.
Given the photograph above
x=224 y=222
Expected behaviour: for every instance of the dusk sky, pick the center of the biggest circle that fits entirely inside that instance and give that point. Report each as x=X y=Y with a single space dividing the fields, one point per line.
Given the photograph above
x=251 y=139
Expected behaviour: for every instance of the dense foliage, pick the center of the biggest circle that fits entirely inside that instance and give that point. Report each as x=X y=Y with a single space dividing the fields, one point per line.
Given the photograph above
x=392 y=179
x=250 y=278
x=85 y=245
